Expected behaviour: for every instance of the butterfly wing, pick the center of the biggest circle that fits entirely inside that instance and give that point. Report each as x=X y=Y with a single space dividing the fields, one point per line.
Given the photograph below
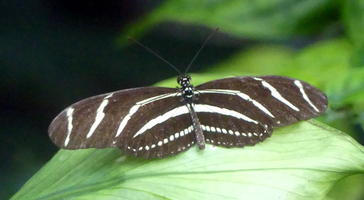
x=113 y=120
x=272 y=101
x=164 y=128
x=153 y=122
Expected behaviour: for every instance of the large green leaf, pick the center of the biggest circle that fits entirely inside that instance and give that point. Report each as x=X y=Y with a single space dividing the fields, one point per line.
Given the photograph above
x=302 y=161
x=298 y=162
x=259 y=19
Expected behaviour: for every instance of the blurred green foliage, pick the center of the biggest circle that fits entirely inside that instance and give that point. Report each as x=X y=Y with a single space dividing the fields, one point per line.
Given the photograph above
x=354 y=21
x=260 y=19
x=321 y=157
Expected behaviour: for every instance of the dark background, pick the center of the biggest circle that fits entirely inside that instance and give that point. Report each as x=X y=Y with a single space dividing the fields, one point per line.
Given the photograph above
x=54 y=53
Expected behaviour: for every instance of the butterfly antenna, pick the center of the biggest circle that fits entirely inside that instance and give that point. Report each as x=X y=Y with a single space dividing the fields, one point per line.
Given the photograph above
x=155 y=54
x=202 y=46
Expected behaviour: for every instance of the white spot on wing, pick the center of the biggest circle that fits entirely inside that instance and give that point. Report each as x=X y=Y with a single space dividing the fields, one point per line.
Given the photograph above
x=276 y=94
x=69 y=114
x=99 y=115
x=300 y=86
x=165 y=140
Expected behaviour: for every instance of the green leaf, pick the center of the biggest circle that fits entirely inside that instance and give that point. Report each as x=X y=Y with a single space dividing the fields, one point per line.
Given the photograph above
x=260 y=19
x=348 y=188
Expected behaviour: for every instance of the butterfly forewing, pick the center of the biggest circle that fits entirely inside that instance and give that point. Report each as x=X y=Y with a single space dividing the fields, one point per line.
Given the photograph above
x=271 y=100
x=304 y=101
x=101 y=121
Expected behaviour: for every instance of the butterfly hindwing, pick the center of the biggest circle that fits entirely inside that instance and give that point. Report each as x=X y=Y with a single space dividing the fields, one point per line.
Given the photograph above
x=229 y=121
x=161 y=128
x=228 y=131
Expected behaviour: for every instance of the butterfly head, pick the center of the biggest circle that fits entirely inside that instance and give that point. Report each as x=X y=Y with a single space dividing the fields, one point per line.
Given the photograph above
x=184 y=80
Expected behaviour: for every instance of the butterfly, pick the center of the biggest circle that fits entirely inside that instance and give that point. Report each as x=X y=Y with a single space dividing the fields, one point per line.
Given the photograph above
x=155 y=122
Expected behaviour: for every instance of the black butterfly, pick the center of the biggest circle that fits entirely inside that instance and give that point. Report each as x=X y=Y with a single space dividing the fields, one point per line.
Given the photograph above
x=154 y=122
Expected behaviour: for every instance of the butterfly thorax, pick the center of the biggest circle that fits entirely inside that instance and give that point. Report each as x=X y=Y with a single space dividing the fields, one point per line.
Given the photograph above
x=187 y=89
